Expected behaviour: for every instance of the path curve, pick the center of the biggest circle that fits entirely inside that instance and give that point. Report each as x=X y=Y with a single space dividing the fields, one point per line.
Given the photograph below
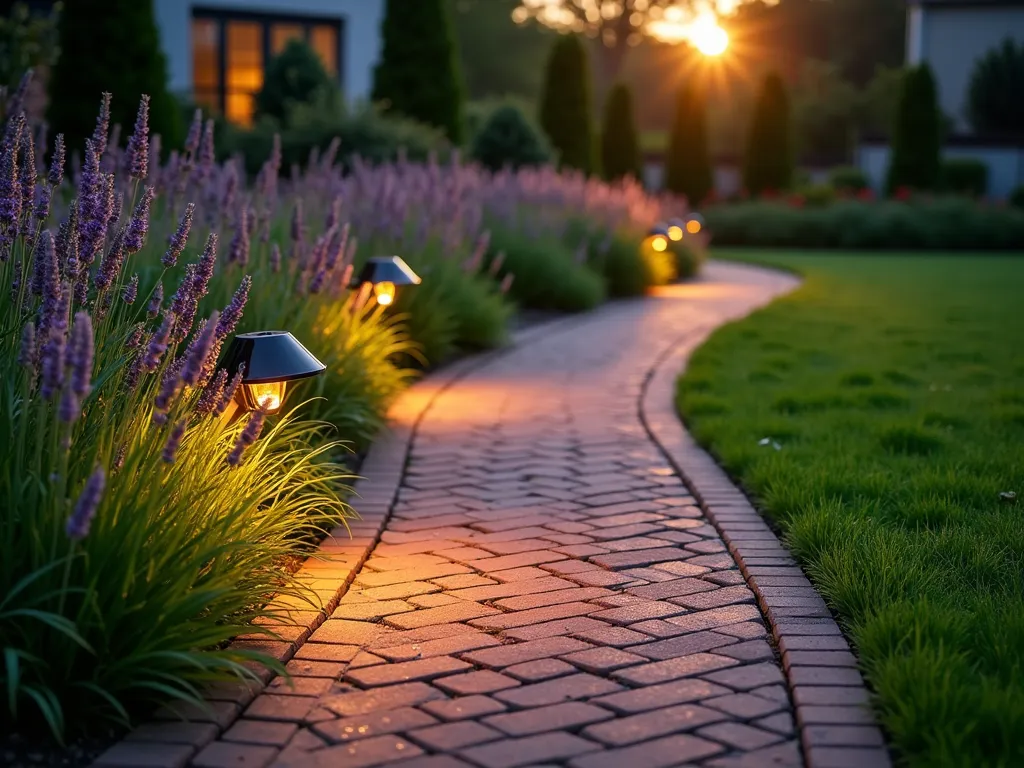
x=555 y=580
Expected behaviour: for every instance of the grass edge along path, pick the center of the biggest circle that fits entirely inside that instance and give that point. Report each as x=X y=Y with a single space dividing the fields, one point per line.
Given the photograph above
x=875 y=415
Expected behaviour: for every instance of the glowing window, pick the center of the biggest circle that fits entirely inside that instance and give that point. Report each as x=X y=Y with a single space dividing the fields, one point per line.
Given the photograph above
x=205 y=64
x=282 y=33
x=244 y=65
x=324 y=40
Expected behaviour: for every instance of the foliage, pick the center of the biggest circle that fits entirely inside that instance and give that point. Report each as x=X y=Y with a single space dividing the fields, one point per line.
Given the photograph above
x=508 y=139
x=892 y=386
x=880 y=102
x=620 y=151
x=123 y=58
x=952 y=223
x=1017 y=197
x=27 y=42
x=995 y=95
x=824 y=112
x=565 y=108
x=688 y=169
x=294 y=76
x=848 y=179
x=479 y=111
x=964 y=176
x=916 y=143
x=768 y=162
x=418 y=75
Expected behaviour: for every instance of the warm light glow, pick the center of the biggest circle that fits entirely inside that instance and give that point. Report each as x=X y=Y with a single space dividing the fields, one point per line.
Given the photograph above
x=267 y=397
x=384 y=293
x=675 y=232
x=659 y=243
x=709 y=38
x=693 y=226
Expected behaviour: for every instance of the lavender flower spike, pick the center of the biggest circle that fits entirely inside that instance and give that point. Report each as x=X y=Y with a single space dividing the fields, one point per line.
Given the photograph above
x=27 y=352
x=248 y=436
x=213 y=393
x=81 y=355
x=233 y=312
x=85 y=508
x=56 y=175
x=138 y=226
x=179 y=238
x=158 y=343
x=230 y=389
x=155 y=300
x=29 y=172
x=70 y=409
x=198 y=351
x=10 y=188
x=194 y=132
x=131 y=291
x=99 y=136
x=275 y=257
x=239 y=249
x=138 y=143
x=174 y=441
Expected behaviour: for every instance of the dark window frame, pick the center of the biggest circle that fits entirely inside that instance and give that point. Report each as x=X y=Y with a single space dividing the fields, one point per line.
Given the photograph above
x=265 y=20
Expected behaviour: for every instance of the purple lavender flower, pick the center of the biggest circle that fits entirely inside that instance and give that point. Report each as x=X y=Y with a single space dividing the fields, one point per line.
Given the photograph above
x=42 y=207
x=81 y=355
x=95 y=210
x=56 y=175
x=52 y=364
x=10 y=188
x=194 y=132
x=275 y=257
x=122 y=449
x=28 y=172
x=206 y=152
x=69 y=409
x=169 y=389
x=212 y=394
x=506 y=283
x=248 y=436
x=233 y=312
x=85 y=508
x=199 y=350
x=131 y=291
x=205 y=265
x=229 y=391
x=17 y=101
x=45 y=271
x=298 y=228
x=111 y=264
x=174 y=441
x=179 y=238
x=99 y=135
x=155 y=301
x=156 y=172
x=27 y=352
x=135 y=337
x=158 y=343
x=138 y=225
x=239 y=249
x=138 y=142
x=227 y=199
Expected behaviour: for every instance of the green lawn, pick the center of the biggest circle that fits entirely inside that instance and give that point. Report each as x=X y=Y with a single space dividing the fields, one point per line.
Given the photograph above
x=894 y=385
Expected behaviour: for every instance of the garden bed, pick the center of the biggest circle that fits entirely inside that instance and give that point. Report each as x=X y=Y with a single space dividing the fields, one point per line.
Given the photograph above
x=877 y=416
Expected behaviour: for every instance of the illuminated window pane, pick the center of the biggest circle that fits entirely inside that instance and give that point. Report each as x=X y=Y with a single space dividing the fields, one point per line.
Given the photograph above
x=244 y=75
x=280 y=34
x=324 y=40
x=205 y=70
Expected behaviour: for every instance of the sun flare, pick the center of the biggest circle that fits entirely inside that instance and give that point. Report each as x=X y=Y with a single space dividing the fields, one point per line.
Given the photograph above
x=709 y=38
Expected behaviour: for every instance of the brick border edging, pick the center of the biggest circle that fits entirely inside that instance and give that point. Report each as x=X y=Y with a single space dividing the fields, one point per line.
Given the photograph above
x=178 y=734
x=837 y=729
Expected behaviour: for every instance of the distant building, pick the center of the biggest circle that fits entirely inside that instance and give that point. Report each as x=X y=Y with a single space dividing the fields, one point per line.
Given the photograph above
x=951 y=35
x=217 y=50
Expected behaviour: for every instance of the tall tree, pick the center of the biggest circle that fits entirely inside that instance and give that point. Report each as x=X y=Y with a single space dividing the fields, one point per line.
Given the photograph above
x=995 y=97
x=418 y=75
x=917 y=135
x=768 y=164
x=620 y=146
x=565 y=108
x=688 y=169
x=110 y=45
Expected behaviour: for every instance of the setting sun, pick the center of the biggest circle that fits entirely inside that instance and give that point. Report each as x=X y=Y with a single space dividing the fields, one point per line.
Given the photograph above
x=709 y=38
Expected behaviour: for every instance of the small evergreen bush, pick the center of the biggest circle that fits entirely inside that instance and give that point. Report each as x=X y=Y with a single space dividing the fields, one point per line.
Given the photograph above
x=295 y=76
x=507 y=139
x=964 y=176
x=768 y=163
x=620 y=148
x=916 y=144
x=848 y=179
x=688 y=169
x=565 y=109
x=995 y=95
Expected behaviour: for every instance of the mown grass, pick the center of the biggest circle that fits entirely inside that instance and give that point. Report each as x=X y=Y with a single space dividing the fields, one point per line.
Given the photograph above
x=895 y=387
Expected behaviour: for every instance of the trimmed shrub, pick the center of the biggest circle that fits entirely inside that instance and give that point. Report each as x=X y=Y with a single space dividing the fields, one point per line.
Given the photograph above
x=995 y=95
x=768 y=164
x=620 y=148
x=688 y=260
x=964 y=176
x=1017 y=197
x=507 y=139
x=418 y=75
x=565 y=108
x=916 y=145
x=848 y=179
x=295 y=76
x=123 y=58
x=688 y=168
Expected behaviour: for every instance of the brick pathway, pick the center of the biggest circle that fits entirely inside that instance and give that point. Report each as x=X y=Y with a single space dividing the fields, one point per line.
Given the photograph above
x=547 y=591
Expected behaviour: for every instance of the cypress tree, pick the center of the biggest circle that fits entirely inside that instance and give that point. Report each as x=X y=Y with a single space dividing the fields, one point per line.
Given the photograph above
x=688 y=169
x=768 y=163
x=418 y=75
x=110 y=45
x=620 y=147
x=917 y=135
x=565 y=107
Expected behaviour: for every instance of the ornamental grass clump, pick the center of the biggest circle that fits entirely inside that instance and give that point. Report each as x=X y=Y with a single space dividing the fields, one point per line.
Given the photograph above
x=138 y=533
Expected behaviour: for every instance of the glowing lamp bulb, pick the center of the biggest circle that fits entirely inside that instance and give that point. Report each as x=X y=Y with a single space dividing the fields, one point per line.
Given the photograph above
x=267 y=396
x=693 y=226
x=675 y=232
x=659 y=243
x=384 y=293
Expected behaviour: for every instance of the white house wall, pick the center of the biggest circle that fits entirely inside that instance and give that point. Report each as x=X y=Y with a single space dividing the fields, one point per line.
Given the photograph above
x=360 y=42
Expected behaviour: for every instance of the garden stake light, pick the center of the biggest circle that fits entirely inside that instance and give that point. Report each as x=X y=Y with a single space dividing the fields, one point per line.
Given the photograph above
x=694 y=223
x=271 y=360
x=658 y=237
x=675 y=229
x=383 y=275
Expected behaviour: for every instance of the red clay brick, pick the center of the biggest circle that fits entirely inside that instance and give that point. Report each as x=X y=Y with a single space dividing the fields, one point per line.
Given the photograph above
x=638 y=557
x=543 y=669
x=655 y=696
x=222 y=754
x=661 y=753
x=533 y=750
x=557 y=717
x=463 y=707
x=359 y=754
x=362 y=702
x=452 y=736
x=443 y=615
x=603 y=660
x=671 y=669
x=649 y=725
x=578 y=686
x=408 y=671
x=480 y=681
x=507 y=655
x=534 y=616
x=372 y=724
x=639 y=611
x=543 y=599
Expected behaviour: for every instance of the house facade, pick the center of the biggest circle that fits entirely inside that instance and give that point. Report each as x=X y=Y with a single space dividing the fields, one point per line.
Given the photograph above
x=951 y=35
x=217 y=50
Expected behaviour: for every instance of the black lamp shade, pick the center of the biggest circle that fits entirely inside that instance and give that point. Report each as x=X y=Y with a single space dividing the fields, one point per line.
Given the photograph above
x=677 y=223
x=271 y=356
x=696 y=217
x=658 y=229
x=386 y=269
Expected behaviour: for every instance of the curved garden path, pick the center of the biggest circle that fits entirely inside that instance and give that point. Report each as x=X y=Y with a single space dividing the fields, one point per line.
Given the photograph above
x=549 y=571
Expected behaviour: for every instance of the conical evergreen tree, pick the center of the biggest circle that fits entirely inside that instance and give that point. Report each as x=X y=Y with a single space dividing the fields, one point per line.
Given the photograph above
x=768 y=163
x=688 y=169
x=110 y=45
x=418 y=75
x=565 y=108
x=917 y=135
x=620 y=146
